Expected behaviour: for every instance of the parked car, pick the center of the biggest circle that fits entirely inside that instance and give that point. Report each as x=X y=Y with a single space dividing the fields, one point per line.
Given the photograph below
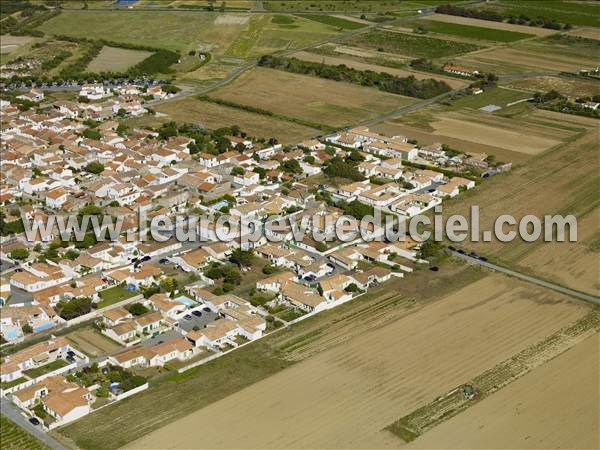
x=434 y=269
x=70 y=359
x=163 y=261
x=197 y=313
x=206 y=309
x=483 y=258
x=452 y=248
x=187 y=317
x=462 y=252
x=71 y=353
x=34 y=421
x=145 y=258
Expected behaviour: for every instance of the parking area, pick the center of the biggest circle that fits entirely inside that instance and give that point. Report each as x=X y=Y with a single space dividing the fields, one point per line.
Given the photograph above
x=161 y=338
x=198 y=317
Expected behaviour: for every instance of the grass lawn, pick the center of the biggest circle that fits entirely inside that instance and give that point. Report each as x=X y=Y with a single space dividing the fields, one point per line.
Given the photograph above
x=14 y=437
x=113 y=295
x=9 y=384
x=411 y=45
x=575 y=13
x=473 y=32
x=38 y=371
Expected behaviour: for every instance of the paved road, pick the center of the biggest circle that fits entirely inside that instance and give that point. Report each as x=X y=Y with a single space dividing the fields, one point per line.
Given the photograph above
x=530 y=279
x=12 y=412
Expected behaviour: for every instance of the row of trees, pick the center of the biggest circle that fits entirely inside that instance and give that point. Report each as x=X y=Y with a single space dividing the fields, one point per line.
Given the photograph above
x=386 y=82
x=487 y=14
x=555 y=101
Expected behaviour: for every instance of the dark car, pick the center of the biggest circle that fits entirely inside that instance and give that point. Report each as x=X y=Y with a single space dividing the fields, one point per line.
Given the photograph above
x=71 y=353
x=163 y=261
x=145 y=258
x=187 y=317
x=434 y=269
x=206 y=309
x=483 y=258
x=197 y=313
x=473 y=255
x=34 y=421
x=462 y=252
x=452 y=248
x=70 y=359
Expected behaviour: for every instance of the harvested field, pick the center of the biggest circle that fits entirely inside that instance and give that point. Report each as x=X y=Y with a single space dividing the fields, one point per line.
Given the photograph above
x=590 y=33
x=344 y=396
x=489 y=24
x=310 y=98
x=92 y=343
x=514 y=59
x=215 y=116
x=561 y=181
x=334 y=61
x=116 y=59
x=572 y=87
x=530 y=412
x=11 y=43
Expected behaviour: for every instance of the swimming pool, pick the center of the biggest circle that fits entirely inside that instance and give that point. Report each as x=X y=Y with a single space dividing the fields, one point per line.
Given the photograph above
x=186 y=301
x=10 y=333
x=217 y=206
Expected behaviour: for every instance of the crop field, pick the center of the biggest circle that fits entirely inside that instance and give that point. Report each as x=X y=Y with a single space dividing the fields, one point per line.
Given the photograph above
x=536 y=31
x=116 y=59
x=589 y=33
x=336 y=22
x=13 y=437
x=568 y=178
x=171 y=30
x=311 y=98
x=348 y=5
x=499 y=96
x=530 y=412
x=555 y=53
x=571 y=87
x=470 y=31
x=575 y=13
x=357 y=64
x=344 y=396
x=411 y=45
x=92 y=343
x=215 y=116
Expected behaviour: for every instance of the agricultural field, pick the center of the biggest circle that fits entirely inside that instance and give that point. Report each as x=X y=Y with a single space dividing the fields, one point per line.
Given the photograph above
x=563 y=181
x=561 y=53
x=344 y=396
x=92 y=343
x=329 y=102
x=11 y=44
x=571 y=87
x=410 y=45
x=530 y=412
x=268 y=33
x=116 y=59
x=337 y=22
x=562 y=11
x=522 y=29
x=177 y=31
x=12 y=437
x=357 y=64
x=516 y=133
x=589 y=33
x=215 y=116
x=355 y=6
x=468 y=31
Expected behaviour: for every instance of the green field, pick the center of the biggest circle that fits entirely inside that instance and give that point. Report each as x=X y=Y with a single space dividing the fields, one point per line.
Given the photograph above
x=39 y=371
x=495 y=96
x=116 y=59
x=337 y=22
x=575 y=13
x=13 y=437
x=472 y=32
x=365 y=6
x=411 y=46
x=178 y=31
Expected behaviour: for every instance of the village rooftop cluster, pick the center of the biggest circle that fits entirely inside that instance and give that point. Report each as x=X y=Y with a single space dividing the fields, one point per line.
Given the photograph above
x=173 y=304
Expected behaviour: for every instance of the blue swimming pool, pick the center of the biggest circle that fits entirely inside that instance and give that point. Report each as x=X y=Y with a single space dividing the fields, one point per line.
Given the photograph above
x=10 y=333
x=43 y=327
x=186 y=301
x=217 y=206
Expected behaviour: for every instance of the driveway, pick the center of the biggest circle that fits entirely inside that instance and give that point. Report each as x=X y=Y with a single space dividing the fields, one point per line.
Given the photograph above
x=200 y=322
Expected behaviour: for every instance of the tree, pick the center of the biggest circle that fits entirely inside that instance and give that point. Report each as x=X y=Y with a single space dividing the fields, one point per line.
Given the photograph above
x=102 y=392
x=27 y=329
x=431 y=249
x=94 y=167
x=237 y=171
x=150 y=290
x=137 y=309
x=269 y=269
x=169 y=284
x=291 y=166
x=19 y=253
x=92 y=134
x=242 y=257
x=321 y=246
x=352 y=287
